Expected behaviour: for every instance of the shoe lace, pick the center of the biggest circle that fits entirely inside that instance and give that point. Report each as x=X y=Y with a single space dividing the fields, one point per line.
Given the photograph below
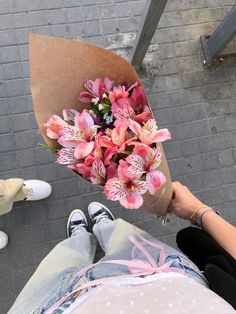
x=77 y=228
x=99 y=217
x=29 y=191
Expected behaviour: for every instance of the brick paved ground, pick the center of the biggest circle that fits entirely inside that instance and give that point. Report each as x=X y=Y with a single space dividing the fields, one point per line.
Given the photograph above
x=196 y=104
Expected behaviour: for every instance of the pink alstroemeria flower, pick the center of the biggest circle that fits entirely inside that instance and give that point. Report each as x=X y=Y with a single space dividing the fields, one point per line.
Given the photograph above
x=54 y=126
x=117 y=93
x=80 y=135
x=125 y=190
x=133 y=108
x=95 y=89
x=65 y=156
x=122 y=109
x=117 y=141
x=98 y=172
x=145 y=160
x=148 y=133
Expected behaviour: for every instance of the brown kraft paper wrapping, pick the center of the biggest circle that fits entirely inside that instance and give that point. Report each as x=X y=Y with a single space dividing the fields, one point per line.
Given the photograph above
x=58 y=69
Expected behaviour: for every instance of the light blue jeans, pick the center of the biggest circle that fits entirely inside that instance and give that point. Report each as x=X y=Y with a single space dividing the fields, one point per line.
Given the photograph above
x=57 y=273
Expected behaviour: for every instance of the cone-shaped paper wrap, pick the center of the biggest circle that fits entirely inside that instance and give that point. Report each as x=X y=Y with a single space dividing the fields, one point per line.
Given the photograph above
x=58 y=69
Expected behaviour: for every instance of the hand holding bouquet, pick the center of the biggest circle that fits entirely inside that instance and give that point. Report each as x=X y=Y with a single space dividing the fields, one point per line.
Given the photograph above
x=115 y=143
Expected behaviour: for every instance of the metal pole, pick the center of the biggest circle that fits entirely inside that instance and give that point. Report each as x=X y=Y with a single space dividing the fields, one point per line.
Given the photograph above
x=214 y=44
x=150 y=19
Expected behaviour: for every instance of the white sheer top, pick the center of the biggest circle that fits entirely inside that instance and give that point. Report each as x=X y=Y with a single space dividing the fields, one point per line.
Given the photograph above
x=163 y=293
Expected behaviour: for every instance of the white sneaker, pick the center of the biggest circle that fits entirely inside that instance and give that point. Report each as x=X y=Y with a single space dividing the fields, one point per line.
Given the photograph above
x=3 y=239
x=36 y=190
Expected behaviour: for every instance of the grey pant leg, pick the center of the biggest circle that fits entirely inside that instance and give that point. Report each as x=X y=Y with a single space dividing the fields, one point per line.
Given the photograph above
x=113 y=235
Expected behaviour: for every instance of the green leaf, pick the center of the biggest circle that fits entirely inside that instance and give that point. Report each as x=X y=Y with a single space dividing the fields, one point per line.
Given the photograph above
x=126 y=152
x=53 y=149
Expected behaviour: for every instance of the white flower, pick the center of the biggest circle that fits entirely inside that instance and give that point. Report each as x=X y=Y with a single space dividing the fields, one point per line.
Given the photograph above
x=104 y=95
x=95 y=100
x=109 y=119
x=100 y=107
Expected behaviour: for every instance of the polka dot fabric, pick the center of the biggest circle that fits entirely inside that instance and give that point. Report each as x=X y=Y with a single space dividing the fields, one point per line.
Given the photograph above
x=166 y=294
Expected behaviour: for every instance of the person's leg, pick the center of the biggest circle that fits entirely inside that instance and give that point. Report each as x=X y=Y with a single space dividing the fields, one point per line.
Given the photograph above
x=221 y=283
x=57 y=273
x=10 y=190
x=113 y=236
x=198 y=246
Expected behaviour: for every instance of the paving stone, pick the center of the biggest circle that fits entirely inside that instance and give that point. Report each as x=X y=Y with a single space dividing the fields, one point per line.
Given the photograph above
x=3 y=106
x=21 y=20
x=226 y=157
x=189 y=147
x=7 y=38
x=7 y=161
x=56 y=16
x=229 y=174
x=107 y=11
x=73 y=14
x=4 y=7
x=9 y=54
x=210 y=161
x=196 y=182
x=196 y=104
x=172 y=150
x=90 y=13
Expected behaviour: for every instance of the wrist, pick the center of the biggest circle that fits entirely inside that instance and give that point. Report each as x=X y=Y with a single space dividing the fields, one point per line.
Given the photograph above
x=196 y=215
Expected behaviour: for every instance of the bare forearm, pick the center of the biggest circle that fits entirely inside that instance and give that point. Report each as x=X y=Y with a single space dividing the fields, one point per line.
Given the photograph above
x=187 y=206
x=220 y=230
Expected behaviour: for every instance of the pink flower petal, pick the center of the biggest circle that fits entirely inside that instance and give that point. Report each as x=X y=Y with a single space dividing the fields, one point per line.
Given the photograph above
x=118 y=136
x=145 y=137
x=139 y=98
x=97 y=87
x=109 y=152
x=69 y=114
x=108 y=84
x=83 y=149
x=85 y=97
x=84 y=170
x=89 y=160
x=66 y=156
x=122 y=109
x=142 y=187
x=143 y=150
x=161 y=136
x=115 y=189
x=112 y=170
x=84 y=121
x=98 y=172
x=123 y=173
x=136 y=164
x=105 y=141
x=70 y=136
x=134 y=126
x=143 y=117
x=52 y=134
x=121 y=123
x=54 y=126
x=89 y=85
x=155 y=180
x=132 y=200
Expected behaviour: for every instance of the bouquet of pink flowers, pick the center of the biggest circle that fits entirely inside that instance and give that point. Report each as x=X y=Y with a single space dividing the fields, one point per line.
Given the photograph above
x=115 y=143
